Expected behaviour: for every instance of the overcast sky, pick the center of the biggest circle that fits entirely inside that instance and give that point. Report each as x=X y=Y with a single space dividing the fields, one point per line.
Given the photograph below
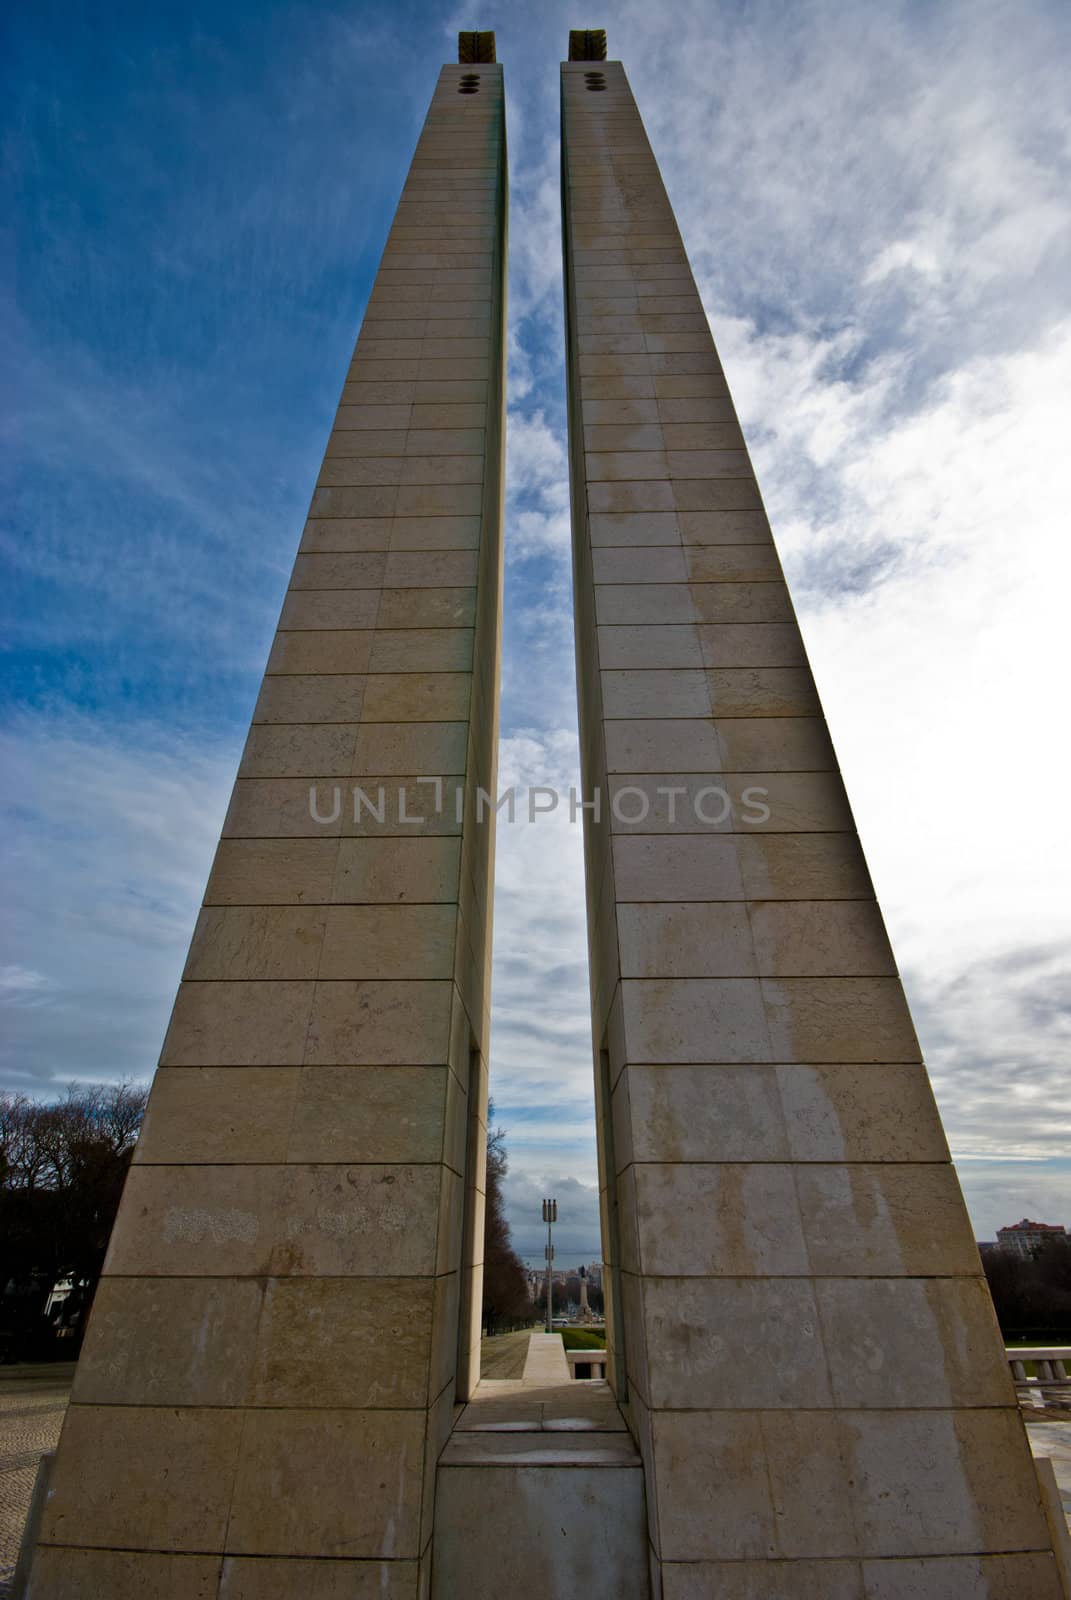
x=877 y=203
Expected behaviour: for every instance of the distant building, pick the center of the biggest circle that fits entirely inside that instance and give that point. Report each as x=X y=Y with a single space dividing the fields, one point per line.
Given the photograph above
x=1026 y=1238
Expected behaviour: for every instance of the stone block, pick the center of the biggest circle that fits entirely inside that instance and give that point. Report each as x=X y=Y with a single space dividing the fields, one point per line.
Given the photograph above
x=272 y=871
x=436 y=497
x=640 y=564
x=247 y=942
x=389 y=871
x=238 y=1024
x=434 y=534
x=802 y=866
x=336 y=698
x=839 y=1019
x=768 y=644
x=999 y=1577
x=400 y=748
x=312 y=1481
x=703 y=1114
x=740 y=602
x=733 y=1220
x=762 y=692
x=633 y=529
x=421 y=650
x=942 y=1483
x=123 y=1574
x=684 y=940
x=651 y=646
x=265 y=1578
x=170 y=1342
x=810 y=1484
x=762 y=1580
x=417 y=697
x=696 y=802
x=842 y=1113
x=775 y=744
x=888 y=1220
x=655 y=694
x=143 y=1478
x=394 y=805
x=346 y=652
x=195 y=1221
x=315 y=609
x=620 y=413
x=348 y=1342
x=823 y=938
x=652 y=745
x=345 y=535
x=712 y=1489
x=597 y=1513
x=793 y=802
x=930 y=1342
x=388 y=941
x=691 y=867
x=431 y=569
x=279 y=808
x=617 y=495
x=365 y=500
x=697 y=1020
x=379 y=1022
x=623 y=437
x=298 y=752
x=385 y=1114
x=356 y=1221
x=217 y=1115
x=727 y=1344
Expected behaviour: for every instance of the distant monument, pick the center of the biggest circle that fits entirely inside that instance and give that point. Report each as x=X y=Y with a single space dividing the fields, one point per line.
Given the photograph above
x=585 y=1309
x=801 y=1342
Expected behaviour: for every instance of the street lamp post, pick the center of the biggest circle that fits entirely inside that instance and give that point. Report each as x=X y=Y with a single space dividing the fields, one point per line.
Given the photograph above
x=550 y=1217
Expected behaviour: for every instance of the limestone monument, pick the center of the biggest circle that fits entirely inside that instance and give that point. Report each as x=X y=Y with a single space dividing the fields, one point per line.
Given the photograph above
x=279 y=1392
x=291 y=1299
x=804 y=1344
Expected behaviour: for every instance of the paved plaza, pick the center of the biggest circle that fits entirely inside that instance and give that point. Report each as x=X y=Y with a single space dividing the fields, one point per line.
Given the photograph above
x=32 y=1402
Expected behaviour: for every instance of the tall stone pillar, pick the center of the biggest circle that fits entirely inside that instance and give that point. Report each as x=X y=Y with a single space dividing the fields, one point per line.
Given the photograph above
x=290 y=1305
x=804 y=1342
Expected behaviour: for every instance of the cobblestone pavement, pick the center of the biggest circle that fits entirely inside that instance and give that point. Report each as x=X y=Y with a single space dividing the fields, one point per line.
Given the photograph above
x=32 y=1402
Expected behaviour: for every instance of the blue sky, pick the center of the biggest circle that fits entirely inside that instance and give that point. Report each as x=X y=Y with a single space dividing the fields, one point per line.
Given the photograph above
x=876 y=204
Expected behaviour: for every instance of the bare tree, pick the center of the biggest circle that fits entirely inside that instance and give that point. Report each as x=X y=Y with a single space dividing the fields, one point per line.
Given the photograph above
x=62 y=1169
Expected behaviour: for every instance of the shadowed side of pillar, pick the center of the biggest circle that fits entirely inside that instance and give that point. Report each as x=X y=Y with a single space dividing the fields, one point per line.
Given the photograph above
x=290 y=1307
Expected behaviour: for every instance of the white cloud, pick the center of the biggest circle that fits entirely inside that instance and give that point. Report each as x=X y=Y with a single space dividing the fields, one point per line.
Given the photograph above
x=109 y=834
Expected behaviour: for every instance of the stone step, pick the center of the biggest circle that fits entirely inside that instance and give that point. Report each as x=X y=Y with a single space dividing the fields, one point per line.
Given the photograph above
x=538 y=1516
x=547 y=1447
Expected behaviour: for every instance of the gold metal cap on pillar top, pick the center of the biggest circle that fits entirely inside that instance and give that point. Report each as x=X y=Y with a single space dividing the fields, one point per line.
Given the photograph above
x=475 y=47
x=587 y=44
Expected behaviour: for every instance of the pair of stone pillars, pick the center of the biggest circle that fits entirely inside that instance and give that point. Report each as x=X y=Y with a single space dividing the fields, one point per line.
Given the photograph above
x=802 y=1341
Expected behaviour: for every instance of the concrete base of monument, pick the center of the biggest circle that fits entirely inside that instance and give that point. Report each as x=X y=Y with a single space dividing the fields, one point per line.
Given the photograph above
x=540 y=1491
